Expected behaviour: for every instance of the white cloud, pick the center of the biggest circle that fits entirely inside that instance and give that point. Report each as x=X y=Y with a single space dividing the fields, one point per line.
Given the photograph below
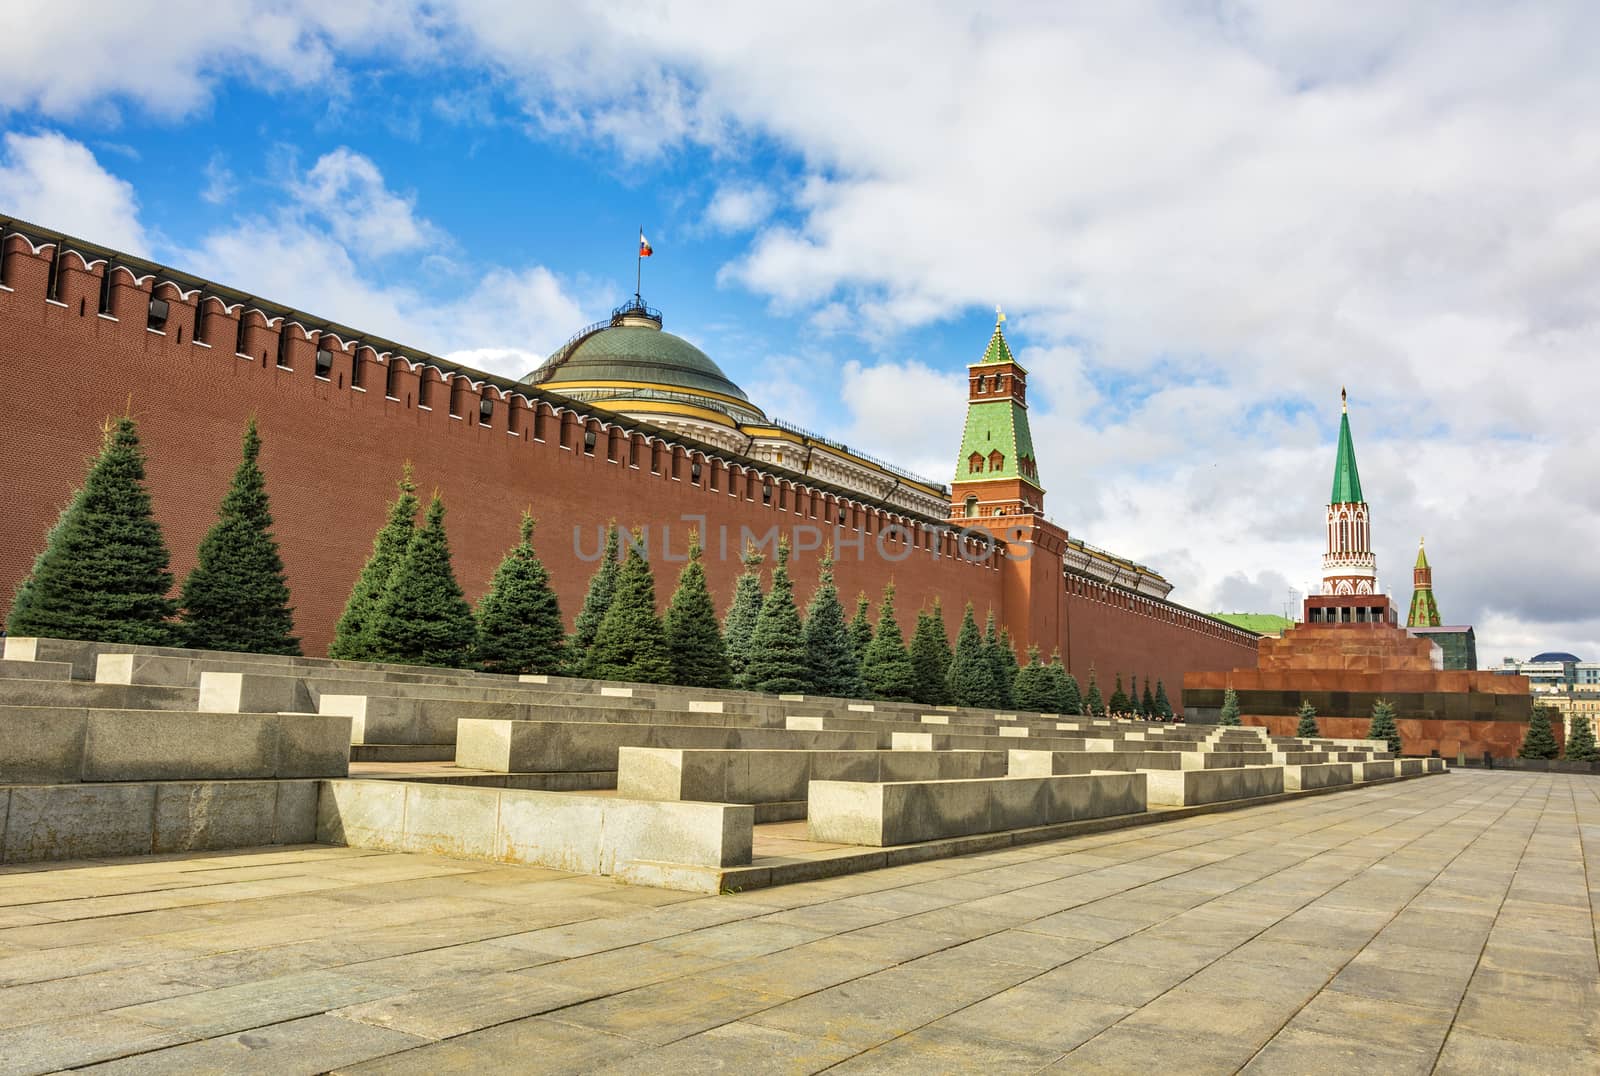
x=1203 y=219
x=348 y=191
x=55 y=182
x=739 y=207
x=220 y=183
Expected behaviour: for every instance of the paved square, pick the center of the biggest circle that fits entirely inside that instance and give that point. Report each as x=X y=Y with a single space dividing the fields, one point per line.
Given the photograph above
x=1445 y=925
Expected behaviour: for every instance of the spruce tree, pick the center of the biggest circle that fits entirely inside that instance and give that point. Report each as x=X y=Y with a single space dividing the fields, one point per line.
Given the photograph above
x=423 y=618
x=237 y=597
x=971 y=676
x=1068 y=699
x=1580 y=744
x=778 y=662
x=602 y=587
x=1307 y=728
x=105 y=575
x=1002 y=662
x=1119 y=698
x=1383 y=726
x=520 y=629
x=1094 y=705
x=835 y=671
x=930 y=656
x=1034 y=690
x=740 y=622
x=887 y=672
x=1230 y=708
x=352 y=636
x=1540 y=741
x=693 y=638
x=1006 y=676
x=22 y=602
x=1147 y=704
x=1163 y=704
x=630 y=643
x=861 y=629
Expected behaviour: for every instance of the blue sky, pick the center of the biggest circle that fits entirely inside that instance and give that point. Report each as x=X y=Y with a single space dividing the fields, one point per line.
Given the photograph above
x=1202 y=220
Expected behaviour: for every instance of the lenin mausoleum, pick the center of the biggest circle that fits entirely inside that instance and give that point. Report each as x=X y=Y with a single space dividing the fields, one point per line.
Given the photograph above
x=1349 y=651
x=624 y=422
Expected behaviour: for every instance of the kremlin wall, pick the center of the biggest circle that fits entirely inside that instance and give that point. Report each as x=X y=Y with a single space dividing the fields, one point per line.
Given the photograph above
x=625 y=422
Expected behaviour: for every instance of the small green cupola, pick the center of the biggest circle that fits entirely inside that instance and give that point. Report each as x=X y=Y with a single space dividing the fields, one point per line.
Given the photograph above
x=996 y=470
x=1346 y=478
x=1424 y=609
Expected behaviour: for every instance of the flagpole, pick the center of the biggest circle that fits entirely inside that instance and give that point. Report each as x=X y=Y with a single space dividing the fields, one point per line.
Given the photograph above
x=638 y=268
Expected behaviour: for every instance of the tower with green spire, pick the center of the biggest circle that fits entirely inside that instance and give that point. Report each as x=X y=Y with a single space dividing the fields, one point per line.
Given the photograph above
x=1349 y=566
x=996 y=472
x=1424 y=610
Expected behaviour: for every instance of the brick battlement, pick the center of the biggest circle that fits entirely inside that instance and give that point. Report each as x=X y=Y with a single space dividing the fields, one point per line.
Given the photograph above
x=86 y=332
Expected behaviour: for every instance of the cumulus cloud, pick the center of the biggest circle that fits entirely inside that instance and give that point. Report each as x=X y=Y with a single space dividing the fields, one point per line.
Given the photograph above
x=54 y=181
x=349 y=192
x=739 y=207
x=1203 y=219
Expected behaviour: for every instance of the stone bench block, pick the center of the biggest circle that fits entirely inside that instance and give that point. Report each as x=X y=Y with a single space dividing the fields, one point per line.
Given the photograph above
x=564 y=830
x=61 y=746
x=1411 y=767
x=1187 y=788
x=1435 y=765
x=1029 y=763
x=1373 y=771
x=757 y=776
x=1298 y=778
x=76 y=821
x=883 y=814
x=550 y=746
x=35 y=670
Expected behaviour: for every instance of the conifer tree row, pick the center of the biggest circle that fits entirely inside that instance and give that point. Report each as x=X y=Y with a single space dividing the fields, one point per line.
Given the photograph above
x=520 y=629
x=1383 y=726
x=1034 y=690
x=777 y=663
x=930 y=656
x=630 y=643
x=1093 y=704
x=352 y=636
x=1163 y=704
x=1581 y=743
x=423 y=618
x=1540 y=739
x=1230 y=708
x=1308 y=721
x=105 y=574
x=861 y=630
x=834 y=668
x=237 y=597
x=1068 y=698
x=739 y=624
x=22 y=604
x=1119 y=699
x=971 y=676
x=602 y=587
x=886 y=672
x=693 y=638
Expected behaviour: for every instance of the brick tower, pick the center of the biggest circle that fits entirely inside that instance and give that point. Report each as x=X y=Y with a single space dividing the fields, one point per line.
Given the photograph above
x=1424 y=610
x=995 y=473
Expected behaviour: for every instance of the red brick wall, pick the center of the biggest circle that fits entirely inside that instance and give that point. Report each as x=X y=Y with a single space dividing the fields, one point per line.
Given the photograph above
x=332 y=453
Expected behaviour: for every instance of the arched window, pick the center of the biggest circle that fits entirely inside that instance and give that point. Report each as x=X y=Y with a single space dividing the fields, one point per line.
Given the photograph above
x=975 y=463
x=997 y=461
x=970 y=507
x=1344 y=536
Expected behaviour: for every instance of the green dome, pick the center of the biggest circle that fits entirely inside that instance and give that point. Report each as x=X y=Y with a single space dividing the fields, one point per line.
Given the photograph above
x=634 y=350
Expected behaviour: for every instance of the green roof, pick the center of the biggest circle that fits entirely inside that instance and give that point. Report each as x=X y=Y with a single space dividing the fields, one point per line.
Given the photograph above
x=998 y=424
x=1346 y=479
x=643 y=353
x=998 y=350
x=1260 y=623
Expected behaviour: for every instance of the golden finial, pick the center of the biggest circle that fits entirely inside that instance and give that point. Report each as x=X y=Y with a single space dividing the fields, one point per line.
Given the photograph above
x=999 y=316
x=1344 y=400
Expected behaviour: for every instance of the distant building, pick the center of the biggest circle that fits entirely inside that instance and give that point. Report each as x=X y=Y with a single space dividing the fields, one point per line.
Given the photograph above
x=1551 y=671
x=1457 y=643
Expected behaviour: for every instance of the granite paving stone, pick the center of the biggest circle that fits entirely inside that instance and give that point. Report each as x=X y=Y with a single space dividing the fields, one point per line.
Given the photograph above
x=1446 y=925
